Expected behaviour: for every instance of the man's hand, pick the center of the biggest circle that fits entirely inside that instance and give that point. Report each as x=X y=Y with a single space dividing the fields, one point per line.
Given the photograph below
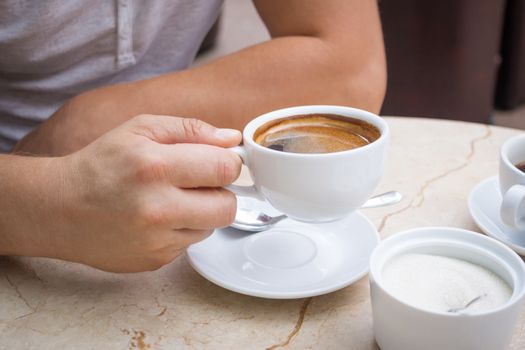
x=136 y=197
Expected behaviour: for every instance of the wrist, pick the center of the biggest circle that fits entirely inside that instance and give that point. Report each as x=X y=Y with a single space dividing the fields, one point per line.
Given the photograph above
x=30 y=208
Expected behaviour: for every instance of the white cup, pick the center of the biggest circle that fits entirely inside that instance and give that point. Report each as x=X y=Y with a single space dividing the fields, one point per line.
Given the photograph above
x=512 y=182
x=401 y=326
x=313 y=187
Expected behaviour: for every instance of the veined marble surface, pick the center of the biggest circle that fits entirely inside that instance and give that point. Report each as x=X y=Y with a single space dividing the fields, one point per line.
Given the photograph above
x=49 y=304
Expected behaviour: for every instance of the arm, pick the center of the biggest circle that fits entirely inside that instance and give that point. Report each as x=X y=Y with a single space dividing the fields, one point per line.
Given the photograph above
x=321 y=52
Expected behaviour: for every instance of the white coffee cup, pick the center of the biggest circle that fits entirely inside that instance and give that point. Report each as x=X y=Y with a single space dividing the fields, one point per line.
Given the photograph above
x=512 y=182
x=313 y=187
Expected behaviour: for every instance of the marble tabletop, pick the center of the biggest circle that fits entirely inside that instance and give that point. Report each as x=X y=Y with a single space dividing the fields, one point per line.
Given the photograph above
x=49 y=304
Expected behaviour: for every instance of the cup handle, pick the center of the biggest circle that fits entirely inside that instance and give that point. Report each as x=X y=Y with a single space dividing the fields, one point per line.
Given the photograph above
x=512 y=209
x=243 y=191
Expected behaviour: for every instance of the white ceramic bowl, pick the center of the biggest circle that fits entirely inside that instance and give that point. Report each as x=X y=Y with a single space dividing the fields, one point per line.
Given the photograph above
x=400 y=326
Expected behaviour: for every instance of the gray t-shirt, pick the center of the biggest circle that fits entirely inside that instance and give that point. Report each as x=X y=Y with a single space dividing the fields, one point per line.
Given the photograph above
x=52 y=50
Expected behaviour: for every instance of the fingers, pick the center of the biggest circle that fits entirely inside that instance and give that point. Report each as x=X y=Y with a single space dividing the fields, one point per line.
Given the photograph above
x=196 y=209
x=170 y=130
x=191 y=153
x=207 y=208
x=192 y=165
x=186 y=165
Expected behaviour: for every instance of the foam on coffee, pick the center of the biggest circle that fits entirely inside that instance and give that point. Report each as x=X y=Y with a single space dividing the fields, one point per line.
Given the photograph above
x=316 y=133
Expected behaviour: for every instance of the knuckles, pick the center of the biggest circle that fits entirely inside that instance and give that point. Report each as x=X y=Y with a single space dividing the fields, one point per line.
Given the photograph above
x=153 y=215
x=191 y=127
x=149 y=167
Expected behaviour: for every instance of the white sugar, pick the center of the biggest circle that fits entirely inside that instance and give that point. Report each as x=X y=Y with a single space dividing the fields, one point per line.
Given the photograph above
x=439 y=283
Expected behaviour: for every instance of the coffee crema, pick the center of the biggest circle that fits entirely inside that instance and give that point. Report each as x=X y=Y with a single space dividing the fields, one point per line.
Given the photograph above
x=316 y=133
x=520 y=166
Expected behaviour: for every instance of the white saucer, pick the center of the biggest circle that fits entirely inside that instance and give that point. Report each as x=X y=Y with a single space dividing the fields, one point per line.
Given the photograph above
x=484 y=203
x=291 y=260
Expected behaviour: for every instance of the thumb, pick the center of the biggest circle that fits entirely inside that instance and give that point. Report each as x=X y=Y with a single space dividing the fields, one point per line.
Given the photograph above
x=170 y=130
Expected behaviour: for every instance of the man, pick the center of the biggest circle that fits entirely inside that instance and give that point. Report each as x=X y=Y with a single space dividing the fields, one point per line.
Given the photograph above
x=133 y=198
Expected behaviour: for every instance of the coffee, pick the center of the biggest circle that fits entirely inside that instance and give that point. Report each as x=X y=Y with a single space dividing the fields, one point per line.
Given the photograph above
x=520 y=166
x=316 y=133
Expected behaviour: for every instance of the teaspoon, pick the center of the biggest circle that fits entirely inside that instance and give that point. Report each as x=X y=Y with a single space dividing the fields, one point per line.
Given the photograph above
x=253 y=220
x=468 y=304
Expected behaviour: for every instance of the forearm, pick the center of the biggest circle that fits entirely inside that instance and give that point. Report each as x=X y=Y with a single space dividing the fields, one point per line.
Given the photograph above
x=233 y=90
x=282 y=72
x=28 y=205
x=230 y=92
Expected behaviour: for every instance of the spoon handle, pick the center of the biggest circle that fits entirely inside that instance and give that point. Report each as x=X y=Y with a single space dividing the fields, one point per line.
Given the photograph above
x=382 y=200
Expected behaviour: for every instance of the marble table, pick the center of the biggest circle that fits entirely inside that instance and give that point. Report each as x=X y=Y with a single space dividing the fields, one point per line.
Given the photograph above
x=48 y=304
